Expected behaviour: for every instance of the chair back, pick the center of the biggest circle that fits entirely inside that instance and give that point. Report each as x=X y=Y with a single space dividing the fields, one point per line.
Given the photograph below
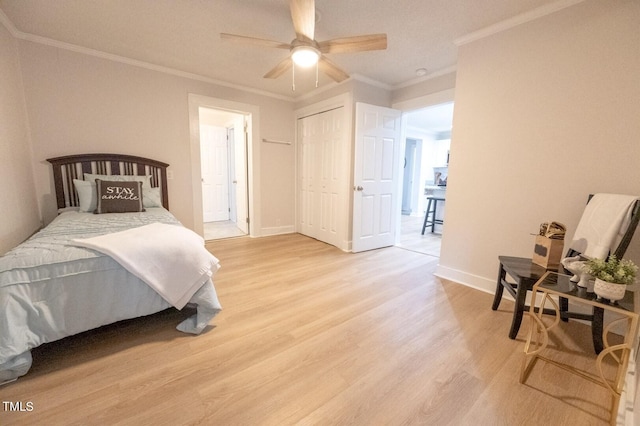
x=631 y=229
x=627 y=234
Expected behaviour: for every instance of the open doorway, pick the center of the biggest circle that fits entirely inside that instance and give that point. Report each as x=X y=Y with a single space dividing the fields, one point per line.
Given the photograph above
x=223 y=165
x=251 y=136
x=426 y=160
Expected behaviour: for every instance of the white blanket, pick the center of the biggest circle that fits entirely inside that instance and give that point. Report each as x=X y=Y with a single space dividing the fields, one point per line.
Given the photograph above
x=603 y=224
x=171 y=259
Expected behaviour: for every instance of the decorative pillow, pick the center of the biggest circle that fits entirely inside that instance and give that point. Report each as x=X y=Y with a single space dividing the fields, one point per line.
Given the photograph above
x=118 y=196
x=86 y=195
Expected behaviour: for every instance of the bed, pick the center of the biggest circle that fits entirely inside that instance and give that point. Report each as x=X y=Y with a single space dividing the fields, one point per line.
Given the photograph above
x=65 y=279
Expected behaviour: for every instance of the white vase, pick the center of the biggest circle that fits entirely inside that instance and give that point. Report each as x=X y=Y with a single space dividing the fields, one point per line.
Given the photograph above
x=611 y=291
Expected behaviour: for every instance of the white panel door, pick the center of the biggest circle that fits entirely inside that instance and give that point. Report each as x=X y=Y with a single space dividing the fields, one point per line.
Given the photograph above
x=240 y=159
x=330 y=175
x=214 y=164
x=307 y=132
x=322 y=177
x=376 y=174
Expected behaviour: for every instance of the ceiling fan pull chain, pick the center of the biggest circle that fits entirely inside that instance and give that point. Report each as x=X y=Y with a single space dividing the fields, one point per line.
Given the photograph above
x=293 y=77
x=316 y=75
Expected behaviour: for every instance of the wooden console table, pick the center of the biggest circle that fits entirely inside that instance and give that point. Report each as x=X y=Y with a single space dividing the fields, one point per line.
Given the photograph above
x=554 y=284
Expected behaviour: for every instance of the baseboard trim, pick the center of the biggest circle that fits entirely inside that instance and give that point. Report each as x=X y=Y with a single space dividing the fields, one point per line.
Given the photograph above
x=470 y=280
x=277 y=230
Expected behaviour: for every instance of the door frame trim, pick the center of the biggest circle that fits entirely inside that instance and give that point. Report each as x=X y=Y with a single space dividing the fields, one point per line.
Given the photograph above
x=414 y=104
x=253 y=156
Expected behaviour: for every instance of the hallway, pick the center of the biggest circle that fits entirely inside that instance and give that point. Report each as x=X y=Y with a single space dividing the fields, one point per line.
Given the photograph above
x=412 y=239
x=221 y=229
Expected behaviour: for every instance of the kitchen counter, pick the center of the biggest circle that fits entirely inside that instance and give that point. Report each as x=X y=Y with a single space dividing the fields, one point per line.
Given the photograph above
x=428 y=189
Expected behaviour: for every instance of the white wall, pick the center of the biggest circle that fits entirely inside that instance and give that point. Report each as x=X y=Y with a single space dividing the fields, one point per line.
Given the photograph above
x=18 y=209
x=404 y=97
x=82 y=103
x=546 y=113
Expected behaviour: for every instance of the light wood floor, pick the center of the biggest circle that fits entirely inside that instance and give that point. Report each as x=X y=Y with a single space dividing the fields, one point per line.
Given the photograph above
x=221 y=229
x=312 y=335
x=411 y=237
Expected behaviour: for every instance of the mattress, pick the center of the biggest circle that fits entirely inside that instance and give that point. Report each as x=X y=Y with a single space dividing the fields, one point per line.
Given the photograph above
x=51 y=289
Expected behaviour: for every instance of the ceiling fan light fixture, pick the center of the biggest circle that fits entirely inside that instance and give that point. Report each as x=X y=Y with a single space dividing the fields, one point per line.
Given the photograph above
x=305 y=51
x=305 y=56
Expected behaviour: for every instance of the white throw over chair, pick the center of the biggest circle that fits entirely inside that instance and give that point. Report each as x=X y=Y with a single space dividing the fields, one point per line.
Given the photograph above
x=606 y=227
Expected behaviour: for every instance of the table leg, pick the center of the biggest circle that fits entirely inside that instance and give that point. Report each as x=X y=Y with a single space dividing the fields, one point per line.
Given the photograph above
x=620 y=353
x=537 y=337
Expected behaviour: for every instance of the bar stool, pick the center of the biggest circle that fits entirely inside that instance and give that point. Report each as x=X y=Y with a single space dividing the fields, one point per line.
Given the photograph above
x=430 y=215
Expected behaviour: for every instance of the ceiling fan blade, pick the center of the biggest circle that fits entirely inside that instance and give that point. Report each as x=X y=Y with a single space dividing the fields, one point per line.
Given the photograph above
x=332 y=70
x=279 y=69
x=255 y=41
x=303 y=15
x=354 y=44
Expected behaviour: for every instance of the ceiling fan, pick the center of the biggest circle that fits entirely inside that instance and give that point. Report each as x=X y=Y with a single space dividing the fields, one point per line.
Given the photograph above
x=305 y=50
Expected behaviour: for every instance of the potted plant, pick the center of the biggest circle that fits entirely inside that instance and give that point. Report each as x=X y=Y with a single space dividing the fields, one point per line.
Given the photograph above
x=611 y=276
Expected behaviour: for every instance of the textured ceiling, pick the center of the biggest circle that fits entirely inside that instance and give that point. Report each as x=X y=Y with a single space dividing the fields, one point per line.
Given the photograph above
x=184 y=35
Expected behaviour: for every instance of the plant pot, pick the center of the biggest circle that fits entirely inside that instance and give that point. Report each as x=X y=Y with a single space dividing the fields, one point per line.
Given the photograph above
x=611 y=291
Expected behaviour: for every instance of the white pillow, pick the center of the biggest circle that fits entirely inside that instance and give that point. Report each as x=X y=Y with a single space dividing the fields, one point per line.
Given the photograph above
x=87 y=195
x=151 y=197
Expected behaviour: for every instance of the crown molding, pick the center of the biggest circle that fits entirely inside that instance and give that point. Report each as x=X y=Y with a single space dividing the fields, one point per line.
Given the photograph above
x=474 y=36
x=417 y=80
x=371 y=82
x=319 y=90
x=379 y=84
x=523 y=18
x=4 y=19
x=352 y=77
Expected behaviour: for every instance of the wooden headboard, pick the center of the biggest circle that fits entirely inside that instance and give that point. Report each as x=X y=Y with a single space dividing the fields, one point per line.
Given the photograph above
x=70 y=167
